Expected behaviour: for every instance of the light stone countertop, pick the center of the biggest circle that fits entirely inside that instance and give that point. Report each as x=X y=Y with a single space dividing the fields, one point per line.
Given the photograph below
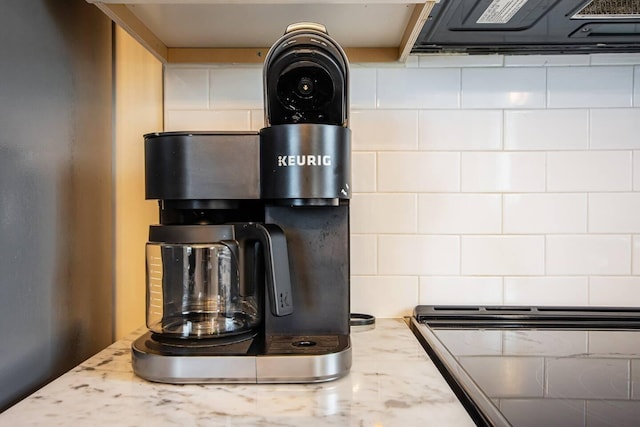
x=392 y=383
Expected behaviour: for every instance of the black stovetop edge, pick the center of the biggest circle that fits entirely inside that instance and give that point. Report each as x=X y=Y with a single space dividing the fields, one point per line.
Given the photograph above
x=525 y=316
x=480 y=408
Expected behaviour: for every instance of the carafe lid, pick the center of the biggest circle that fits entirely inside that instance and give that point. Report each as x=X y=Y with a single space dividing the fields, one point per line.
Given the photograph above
x=190 y=233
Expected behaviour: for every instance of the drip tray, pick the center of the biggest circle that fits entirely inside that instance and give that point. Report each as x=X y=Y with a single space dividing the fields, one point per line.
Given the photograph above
x=317 y=344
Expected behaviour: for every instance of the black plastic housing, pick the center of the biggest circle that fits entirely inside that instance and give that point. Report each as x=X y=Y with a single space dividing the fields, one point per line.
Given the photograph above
x=305 y=163
x=306 y=79
x=202 y=165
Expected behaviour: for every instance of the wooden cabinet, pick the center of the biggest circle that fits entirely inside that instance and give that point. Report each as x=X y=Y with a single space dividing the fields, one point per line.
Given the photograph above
x=210 y=31
x=137 y=110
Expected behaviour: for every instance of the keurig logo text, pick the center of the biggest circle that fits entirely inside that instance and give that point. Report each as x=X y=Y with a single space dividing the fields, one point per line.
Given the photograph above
x=304 y=160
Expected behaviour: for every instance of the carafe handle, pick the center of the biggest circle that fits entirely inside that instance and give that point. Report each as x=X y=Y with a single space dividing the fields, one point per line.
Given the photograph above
x=276 y=263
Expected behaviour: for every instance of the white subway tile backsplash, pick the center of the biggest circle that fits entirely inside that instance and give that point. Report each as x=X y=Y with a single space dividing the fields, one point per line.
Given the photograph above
x=384 y=296
x=635 y=251
x=614 y=291
x=614 y=213
x=206 y=120
x=578 y=87
x=615 y=58
x=384 y=130
x=545 y=213
x=459 y=213
x=460 y=130
x=186 y=88
x=362 y=87
x=448 y=61
x=418 y=255
x=364 y=254
x=418 y=172
x=636 y=170
x=384 y=213
x=546 y=129
x=239 y=88
x=477 y=179
x=616 y=128
x=545 y=60
x=589 y=171
x=363 y=177
x=418 y=88
x=412 y=61
x=502 y=171
x=548 y=290
x=460 y=290
x=588 y=255
x=636 y=86
x=503 y=88
x=502 y=255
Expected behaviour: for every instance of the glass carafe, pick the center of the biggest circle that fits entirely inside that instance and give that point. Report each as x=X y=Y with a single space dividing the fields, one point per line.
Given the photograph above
x=211 y=284
x=194 y=291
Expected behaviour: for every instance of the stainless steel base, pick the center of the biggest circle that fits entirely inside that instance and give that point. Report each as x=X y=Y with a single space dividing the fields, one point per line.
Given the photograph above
x=221 y=368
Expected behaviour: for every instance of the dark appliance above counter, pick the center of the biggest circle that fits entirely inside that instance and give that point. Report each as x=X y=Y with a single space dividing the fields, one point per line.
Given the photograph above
x=531 y=27
x=544 y=366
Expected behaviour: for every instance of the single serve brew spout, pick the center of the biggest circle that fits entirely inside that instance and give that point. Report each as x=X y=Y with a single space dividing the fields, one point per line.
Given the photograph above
x=276 y=261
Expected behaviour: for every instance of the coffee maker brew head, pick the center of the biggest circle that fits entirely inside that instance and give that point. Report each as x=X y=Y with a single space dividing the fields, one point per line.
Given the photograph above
x=306 y=77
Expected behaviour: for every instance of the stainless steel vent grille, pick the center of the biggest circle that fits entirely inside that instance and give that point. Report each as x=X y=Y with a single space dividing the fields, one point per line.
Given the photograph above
x=609 y=9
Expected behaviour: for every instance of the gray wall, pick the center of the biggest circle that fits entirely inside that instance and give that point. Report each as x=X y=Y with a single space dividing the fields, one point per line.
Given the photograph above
x=56 y=206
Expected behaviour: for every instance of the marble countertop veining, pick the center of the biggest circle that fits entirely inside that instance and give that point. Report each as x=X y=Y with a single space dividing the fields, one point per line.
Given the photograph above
x=392 y=383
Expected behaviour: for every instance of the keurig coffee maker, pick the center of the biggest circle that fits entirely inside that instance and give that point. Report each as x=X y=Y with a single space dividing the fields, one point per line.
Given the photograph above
x=248 y=270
